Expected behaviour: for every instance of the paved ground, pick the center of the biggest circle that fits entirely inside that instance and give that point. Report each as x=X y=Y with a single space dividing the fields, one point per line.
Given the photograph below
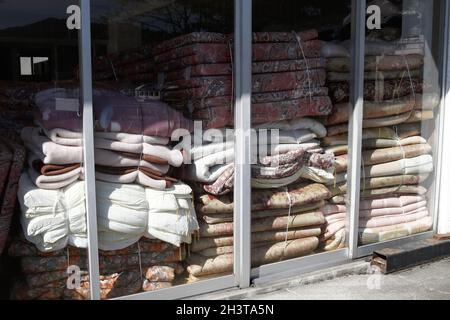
x=430 y=281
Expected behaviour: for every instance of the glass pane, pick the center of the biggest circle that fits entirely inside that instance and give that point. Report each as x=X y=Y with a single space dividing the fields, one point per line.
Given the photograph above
x=162 y=69
x=401 y=97
x=40 y=110
x=293 y=168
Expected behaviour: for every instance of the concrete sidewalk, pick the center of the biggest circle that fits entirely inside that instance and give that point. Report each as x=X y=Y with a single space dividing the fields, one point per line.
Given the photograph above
x=430 y=281
x=352 y=281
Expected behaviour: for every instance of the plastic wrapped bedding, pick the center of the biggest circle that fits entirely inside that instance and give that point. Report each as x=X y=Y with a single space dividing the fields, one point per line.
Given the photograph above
x=171 y=214
x=53 y=219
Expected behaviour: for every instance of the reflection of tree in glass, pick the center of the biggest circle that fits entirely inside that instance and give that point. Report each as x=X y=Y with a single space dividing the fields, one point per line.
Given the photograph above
x=171 y=17
x=183 y=17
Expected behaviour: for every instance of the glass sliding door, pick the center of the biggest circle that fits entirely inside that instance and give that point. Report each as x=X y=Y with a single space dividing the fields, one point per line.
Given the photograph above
x=164 y=142
x=296 y=194
x=401 y=101
x=42 y=151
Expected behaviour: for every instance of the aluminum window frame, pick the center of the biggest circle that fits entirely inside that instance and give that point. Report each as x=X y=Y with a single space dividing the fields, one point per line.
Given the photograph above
x=443 y=43
x=242 y=72
x=243 y=274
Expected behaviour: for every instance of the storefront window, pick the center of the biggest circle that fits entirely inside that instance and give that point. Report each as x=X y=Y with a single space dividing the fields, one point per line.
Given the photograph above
x=164 y=86
x=42 y=153
x=163 y=96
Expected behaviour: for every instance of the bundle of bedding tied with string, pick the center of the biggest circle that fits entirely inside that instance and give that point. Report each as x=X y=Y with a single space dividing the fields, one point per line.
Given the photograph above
x=395 y=90
x=132 y=139
x=146 y=265
x=53 y=219
x=292 y=169
x=395 y=164
x=396 y=160
x=288 y=81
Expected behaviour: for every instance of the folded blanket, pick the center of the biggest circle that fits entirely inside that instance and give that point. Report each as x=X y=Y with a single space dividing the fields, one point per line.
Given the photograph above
x=373 y=235
x=220 y=98
x=390 y=202
x=115 y=159
x=420 y=116
x=287 y=65
x=55 y=182
x=173 y=157
x=265 y=224
x=377 y=90
x=372 y=109
x=377 y=75
x=378 y=63
x=389 y=220
x=9 y=195
x=264 y=82
x=368 y=133
x=427 y=101
x=201 y=266
x=374 y=123
x=48 y=151
x=220 y=116
x=294 y=195
x=380 y=182
x=379 y=156
x=407 y=209
x=256 y=237
x=143 y=176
